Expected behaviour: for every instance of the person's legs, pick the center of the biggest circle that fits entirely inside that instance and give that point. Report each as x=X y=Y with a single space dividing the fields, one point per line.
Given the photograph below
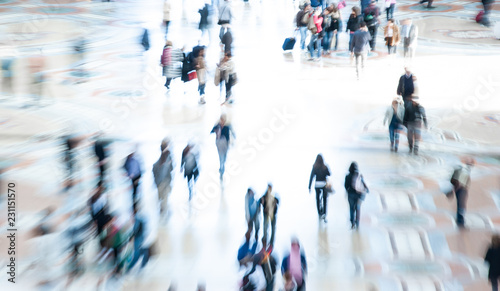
x=410 y=134
x=190 y=182
x=494 y=284
x=318 y=46
x=229 y=86
x=406 y=44
x=461 y=205
x=396 y=137
x=373 y=33
x=336 y=35
x=273 y=230
x=364 y=55
x=256 y=222
x=167 y=83
x=312 y=42
x=388 y=12
x=357 y=56
x=326 y=41
x=358 y=211
x=318 y=201
x=166 y=28
x=135 y=186
x=145 y=256
x=352 y=208
x=303 y=36
x=392 y=8
x=391 y=135
x=350 y=39
x=325 y=200
x=266 y=228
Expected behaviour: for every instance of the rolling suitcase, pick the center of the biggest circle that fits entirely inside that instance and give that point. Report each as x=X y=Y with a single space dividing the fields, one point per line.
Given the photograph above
x=289 y=43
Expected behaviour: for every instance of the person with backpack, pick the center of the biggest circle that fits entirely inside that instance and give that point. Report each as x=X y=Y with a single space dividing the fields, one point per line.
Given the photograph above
x=413 y=118
x=301 y=23
x=354 y=22
x=394 y=115
x=356 y=190
x=314 y=25
x=461 y=180
x=371 y=14
x=359 y=47
x=321 y=172
x=493 y=259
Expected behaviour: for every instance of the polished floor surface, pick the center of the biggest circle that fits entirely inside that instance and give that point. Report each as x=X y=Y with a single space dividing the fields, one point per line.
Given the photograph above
x=286 y=110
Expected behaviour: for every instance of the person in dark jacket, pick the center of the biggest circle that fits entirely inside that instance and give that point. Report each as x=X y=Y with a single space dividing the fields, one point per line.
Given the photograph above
x=406 y=86
x=189 y=163
x=222 y=135
x=227 y=40
x=321 y=172
x=359 y=47
x=204 y=24
x=493 y=259
x=356 y=189
x=371 y=14
x=134 y=173
x=295 y=265
x=302 y=26
x=353 y=23
x=413 y=118
x=100 y=150
x=269 y=204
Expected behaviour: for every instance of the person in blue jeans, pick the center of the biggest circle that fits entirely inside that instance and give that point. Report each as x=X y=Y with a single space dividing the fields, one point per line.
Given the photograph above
x=394 y=115
x=302 y=26
x=139 y=234
x=356 y=189
x=315 y=42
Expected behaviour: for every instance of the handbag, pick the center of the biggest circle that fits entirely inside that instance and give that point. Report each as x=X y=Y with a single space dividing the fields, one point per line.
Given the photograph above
x=217 y=77
x=329 y=188
x=192 y=75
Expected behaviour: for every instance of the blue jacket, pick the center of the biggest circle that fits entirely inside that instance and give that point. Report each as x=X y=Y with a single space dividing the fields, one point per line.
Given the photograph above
x=360 y=41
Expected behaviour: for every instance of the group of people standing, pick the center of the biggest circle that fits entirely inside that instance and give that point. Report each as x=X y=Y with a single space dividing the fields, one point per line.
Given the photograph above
x=179 y=63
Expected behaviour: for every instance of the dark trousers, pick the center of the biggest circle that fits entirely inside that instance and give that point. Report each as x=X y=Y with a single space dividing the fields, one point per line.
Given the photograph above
x=428 y=1
x=494 y=283
x=166 y=28
x=167 y=83
x=373 y=32
x=461 y=195
x=267 y=219
x=201 y=89
x=135 y=186
x=354 y=208
x=321 y=200
x=138 y=253
x=394 y=134
x=413 y=134
x=390 y=11
x=229 y=85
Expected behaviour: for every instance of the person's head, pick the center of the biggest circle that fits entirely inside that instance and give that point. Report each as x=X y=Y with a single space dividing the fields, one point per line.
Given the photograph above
x=164 y=144
x=362 y=25
x=295 y=246
x=307 y=7
x=222 y=120
x=269 y=188
x=353 y=167
x=201 y=286
x=469 y=161
x=407 y=70
x=495 y=240
x=227 y=55
x=356 y=10
x=168 y=43
x=390 y=21
x=319 y=163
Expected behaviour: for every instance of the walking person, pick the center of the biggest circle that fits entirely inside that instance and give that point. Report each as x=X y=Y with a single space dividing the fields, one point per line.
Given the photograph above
x=166 y=15
x=371 y=14
x=222 y=135
x=330 y=28
x=314 y=26
x=171 y=61
x=225 y=74
x=134 y=173
x=461 y=180
x=359 y=47
x=395 y=116
x=225 y=16
x=336 y=24
x=353 y=23
x=301 y=23
x=413 y=119
x=189 y=164
x=392 y=36
x=390 y=6
x=429 y=3
x=252 y=212
x=269 y=204
x=320 y=172
x=162 y=174
x=227 y=40
x=201 y=72
x=294 y=266
x=409 y=34
x=141 y=247
x=493 y=259
x=204 y=23
x=487 y=6
x=356 y=190
x=406 y=85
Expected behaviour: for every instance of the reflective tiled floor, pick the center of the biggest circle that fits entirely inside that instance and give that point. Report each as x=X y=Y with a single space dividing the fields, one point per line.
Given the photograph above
x=286 y=110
